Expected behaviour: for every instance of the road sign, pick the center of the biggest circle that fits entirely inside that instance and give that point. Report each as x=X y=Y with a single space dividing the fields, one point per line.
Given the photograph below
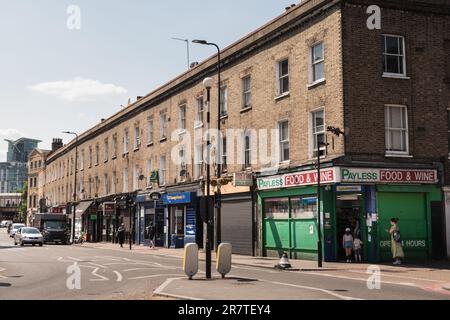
x=155 y=196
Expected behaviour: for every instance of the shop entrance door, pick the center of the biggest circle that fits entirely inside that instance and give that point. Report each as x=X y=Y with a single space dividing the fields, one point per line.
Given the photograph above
x=348 y=215
x=159 y=232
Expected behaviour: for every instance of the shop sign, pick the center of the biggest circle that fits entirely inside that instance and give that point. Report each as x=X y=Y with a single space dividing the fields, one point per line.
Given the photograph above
x=109 y=208
x=243 y=180
x=298 y=179
x=402 y=176
x=348 y=188
x=177 y=198
x=93 y=217
x=411 y=244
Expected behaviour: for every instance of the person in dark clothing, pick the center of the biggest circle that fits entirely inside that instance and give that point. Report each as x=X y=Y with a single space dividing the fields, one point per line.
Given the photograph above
x=121 y=235
x=151 y=230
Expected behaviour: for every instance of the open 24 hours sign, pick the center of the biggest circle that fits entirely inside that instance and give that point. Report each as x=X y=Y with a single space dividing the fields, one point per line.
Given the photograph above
x=400 y=176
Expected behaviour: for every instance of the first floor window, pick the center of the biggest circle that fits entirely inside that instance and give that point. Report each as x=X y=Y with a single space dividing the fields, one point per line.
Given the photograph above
x=318 y=62
x=113 y=182
x=135 y=178
x=162 y=170
x=318 y=132
x=149 y=170
x=198 y=166
x=247 y=92
x=125 y=180
x=199 y=111
x=283 y=128
x=283 y=76
x=396 y=129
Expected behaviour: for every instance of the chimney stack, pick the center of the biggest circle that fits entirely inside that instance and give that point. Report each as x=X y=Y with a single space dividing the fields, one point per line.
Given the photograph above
x=57 y=144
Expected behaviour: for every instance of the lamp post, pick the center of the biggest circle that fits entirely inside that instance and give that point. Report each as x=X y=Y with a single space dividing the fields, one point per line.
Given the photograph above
x=208 y=84
x=188 y=53
x=75 y=185
x=218 y=233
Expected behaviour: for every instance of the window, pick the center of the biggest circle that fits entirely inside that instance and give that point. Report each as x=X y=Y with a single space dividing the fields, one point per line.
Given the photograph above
x=318 y=133
x=125 y=180
x=113 y=182
x=162 y=170
x=106 y=154
x=97 y=155
x=198 y=168
x=137 y=137
x=183 y=167
x=396 y=130
x=114 y=146
x=150 y=131
x=136 y=174
x=199 y=111
x=183 y=117
x=149 y=170
x=125 y=141
x=224 y=155
x=224 y=101
x=90 y=157
x=283 y=77
x=106 y=184
x=277 y=209
x=163 y=126
x=82 y=160
x=247 y=152
x=394 y=61
x=317 y=62
x=247 y=92
x=283 y=127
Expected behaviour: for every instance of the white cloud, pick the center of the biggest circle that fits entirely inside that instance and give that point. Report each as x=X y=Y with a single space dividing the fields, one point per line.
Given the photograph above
x=78 y=89
x=10 y=134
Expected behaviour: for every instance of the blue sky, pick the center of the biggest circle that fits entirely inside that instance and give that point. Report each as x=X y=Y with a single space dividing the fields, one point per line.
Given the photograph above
x=54 y=79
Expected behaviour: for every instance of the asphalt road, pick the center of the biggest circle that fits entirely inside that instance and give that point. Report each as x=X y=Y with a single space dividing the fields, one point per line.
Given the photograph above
x=34 y=273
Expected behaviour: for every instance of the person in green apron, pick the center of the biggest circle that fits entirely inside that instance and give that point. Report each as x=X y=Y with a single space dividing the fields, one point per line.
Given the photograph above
x=396 y=242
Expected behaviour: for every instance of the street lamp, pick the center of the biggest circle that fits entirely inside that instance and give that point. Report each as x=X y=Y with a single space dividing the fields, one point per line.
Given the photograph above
x=337 y=132
x=75 y=185
x=218 y=233
x=188 y=53
x=208 y=83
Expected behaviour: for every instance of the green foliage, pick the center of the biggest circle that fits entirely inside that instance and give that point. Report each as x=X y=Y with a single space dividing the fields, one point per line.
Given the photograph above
x=23 y=203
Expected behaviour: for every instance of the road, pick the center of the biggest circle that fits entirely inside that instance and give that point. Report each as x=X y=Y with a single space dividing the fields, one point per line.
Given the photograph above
x=40 y=273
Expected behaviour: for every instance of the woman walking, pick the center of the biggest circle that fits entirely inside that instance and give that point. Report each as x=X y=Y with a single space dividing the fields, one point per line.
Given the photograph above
x=121 y=235
x=396 y=242
x=347 y=243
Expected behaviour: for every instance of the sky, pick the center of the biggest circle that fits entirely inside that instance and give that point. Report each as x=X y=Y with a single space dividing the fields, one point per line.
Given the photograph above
x=59 y=73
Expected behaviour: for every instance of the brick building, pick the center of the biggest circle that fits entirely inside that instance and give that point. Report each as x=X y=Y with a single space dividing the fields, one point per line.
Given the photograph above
x=317 y=65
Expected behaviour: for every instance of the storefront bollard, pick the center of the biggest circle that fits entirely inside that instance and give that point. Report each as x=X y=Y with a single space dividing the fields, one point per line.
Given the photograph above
x=224 y=259
x=190 y=260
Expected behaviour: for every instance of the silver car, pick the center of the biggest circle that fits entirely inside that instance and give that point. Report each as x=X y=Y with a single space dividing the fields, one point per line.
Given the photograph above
x=14 y=228
x=26 y=235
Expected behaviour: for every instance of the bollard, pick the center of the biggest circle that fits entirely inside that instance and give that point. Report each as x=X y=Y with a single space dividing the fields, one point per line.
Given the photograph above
x=224 y=257
x=190 y=260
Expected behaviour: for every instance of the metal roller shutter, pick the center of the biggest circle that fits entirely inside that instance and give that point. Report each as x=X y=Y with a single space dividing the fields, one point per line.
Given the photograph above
x=237 y=225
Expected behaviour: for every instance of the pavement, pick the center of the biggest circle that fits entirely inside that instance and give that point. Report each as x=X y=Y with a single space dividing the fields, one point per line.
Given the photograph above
x=107 y=272
x=432 y=276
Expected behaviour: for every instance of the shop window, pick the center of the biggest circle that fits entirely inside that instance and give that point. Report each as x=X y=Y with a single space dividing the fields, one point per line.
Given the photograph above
x=304 y=208
x=277 y=208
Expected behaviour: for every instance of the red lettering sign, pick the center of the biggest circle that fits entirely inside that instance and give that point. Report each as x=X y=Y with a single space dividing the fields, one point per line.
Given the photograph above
x=408 y=176
x=308 y=178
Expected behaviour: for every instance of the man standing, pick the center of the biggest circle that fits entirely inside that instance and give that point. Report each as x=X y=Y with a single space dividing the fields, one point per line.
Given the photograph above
x=151 y=231
x=121 y=235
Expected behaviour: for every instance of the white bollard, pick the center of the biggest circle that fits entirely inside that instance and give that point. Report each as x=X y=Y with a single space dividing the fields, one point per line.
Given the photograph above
x=224 y=259
x=190 y=260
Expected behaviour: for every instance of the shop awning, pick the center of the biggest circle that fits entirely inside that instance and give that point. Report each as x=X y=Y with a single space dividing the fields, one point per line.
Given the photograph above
x=82 y=208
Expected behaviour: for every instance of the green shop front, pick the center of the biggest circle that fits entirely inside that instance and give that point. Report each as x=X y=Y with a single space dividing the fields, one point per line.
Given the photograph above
x=362 y=199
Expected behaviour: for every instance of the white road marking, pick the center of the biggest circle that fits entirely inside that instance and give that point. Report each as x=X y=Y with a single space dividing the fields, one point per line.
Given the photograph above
x=119 y=276
x=75 y=259
x=102 y=278
x=98 y=265
x=153 y=276
x=1 y=270
x=159 y=291
x=401 y=277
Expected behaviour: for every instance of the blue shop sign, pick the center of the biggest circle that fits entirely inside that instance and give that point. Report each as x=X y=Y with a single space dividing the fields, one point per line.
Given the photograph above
x=176 y=198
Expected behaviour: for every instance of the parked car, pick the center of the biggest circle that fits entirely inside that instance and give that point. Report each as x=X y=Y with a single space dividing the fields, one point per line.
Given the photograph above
x=26 y=235
x=5 y=223
x=14 y=228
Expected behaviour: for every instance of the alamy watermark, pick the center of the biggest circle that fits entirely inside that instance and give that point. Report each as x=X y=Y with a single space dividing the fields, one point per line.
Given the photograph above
x=74 y=19
x=374 y=21
x=374 y=280
x=74 y=280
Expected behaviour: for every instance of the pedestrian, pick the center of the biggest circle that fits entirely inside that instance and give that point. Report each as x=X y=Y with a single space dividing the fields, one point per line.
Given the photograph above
x=357 y=247
x=121 y=235
x=347 y=243
x=151 y=231
x=396 y=242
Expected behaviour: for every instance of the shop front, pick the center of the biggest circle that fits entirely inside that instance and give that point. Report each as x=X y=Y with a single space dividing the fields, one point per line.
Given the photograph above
x=362 y=199
x=287 y=205
x=182 y=219
x=148 y=216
